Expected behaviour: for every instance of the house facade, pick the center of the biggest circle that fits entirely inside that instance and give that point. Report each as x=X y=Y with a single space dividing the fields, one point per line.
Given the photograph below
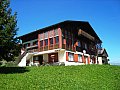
x=103 y=56
x=68 y=42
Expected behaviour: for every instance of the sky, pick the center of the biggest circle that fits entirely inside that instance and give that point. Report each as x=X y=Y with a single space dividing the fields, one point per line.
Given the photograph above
x=103 y=16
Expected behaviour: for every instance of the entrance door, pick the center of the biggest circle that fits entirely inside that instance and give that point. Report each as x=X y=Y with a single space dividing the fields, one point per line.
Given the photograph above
x=41 y=59
x=53 y=57
x=38 y=59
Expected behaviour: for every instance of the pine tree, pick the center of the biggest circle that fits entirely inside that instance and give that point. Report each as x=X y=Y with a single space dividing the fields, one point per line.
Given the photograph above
x=9 y=47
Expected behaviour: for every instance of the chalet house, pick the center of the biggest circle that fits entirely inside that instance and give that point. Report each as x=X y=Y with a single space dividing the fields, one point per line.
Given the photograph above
x=68 y=42
x=103 y=56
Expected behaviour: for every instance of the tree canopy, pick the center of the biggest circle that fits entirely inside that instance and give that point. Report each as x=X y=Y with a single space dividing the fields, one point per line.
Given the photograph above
x=9 y=44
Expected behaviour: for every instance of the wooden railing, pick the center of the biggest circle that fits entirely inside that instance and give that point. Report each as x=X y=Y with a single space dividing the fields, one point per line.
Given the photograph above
x=85 y=34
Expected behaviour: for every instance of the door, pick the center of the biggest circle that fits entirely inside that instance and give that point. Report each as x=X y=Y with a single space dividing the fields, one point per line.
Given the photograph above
x=41 y=59
x=53 y=57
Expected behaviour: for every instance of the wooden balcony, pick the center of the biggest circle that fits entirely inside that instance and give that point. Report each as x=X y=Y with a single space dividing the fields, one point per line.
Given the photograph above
x=45 y=48
x=32 y=46
x=51 y=47
x=56 y=46
x=63 y=46
x=32 y=50
x=85 y=34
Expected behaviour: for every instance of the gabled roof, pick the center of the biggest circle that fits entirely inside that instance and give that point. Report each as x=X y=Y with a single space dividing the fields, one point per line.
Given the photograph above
x=102 y=52
x=81 y=24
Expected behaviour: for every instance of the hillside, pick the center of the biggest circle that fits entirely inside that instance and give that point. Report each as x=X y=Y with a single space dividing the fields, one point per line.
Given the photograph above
x=86 y=77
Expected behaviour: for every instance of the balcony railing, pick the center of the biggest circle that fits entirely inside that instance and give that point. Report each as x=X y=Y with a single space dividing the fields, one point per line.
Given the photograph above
x=32 y=46
x=56 y=46
x=33 y=50
x=85 y=34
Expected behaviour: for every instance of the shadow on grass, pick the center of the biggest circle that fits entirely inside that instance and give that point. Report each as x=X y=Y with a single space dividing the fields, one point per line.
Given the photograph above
x=12 y=70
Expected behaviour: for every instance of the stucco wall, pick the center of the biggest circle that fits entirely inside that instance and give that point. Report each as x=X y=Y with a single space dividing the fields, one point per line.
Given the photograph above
x=45 y=57
x=61 y=56
x=100 y=60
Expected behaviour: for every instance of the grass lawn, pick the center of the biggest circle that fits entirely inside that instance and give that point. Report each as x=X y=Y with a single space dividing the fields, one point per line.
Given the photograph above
x=86 y=77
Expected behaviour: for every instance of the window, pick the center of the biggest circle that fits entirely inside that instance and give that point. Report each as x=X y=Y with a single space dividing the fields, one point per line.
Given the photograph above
x=79 y=58
x=46 y=42
x=25 y=45
x=67 y=42
x=79 y=44
x=35 y=58
x=69 y=35
x=85 y=46
x=51 y=40
x=65 y=32
x=35 y=43
x=57 y=39
x=72 y=40
x=41 y=43
x=71 y=56
x=28 y=44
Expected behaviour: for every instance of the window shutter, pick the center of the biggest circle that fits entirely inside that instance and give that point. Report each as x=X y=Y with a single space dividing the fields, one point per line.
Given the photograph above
x=66 y=56
x=76 y=57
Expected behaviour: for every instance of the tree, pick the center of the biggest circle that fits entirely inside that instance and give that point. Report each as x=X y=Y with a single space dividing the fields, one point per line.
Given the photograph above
x=9 y=46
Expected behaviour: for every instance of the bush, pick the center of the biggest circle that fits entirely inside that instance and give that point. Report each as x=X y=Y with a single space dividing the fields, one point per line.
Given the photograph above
x=11 y=64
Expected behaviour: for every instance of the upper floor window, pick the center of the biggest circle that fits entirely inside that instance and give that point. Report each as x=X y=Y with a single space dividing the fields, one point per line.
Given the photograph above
x=51 y=40
x=41 y=43
x=69 y=35
x=65 y=32
x=79 y=44
x=25 y=45
x=46 y=42
x=28 y=44
x=35 y=43
x=85 y=46
x=57 y=39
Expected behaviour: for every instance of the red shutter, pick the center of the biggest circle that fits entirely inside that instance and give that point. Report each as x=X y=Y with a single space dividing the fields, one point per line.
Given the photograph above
x=66 y=56
x=83 y=59
x=76 y=57
x=88 y=60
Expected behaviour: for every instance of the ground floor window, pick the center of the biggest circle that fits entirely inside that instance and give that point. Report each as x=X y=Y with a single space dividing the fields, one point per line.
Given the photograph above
x=35 y=58
x=71 y=56
x=79 y=58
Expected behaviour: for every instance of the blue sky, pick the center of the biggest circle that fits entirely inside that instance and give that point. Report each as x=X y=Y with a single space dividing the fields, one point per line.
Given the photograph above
x=103 y=15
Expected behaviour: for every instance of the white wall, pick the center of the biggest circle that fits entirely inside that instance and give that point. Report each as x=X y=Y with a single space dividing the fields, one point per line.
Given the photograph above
x=22 y=63
x=100 y=60
x=61 y=56
x=45 y=57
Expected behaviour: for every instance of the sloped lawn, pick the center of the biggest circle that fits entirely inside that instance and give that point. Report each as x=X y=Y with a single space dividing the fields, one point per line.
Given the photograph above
x=86 y=77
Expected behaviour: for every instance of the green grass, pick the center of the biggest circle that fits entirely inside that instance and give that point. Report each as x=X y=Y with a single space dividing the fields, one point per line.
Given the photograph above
x=86 y=77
